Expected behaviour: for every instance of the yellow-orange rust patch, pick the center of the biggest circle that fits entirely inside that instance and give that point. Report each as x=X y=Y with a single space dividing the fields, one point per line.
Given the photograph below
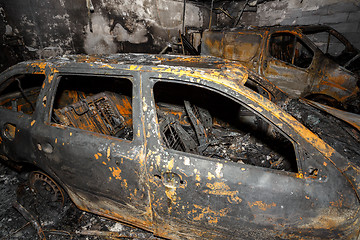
x=135 y=67
x=261 y=205
x=299 y=175
x=171 y=164
x=171 y=193
x=116 y=173
x=124 y=184
x=205 y=212
x=32 y=122
x=221 y=189
x=41 y=67
x=210 y=176
x=44 y=101
x=197 y=177
x=108 y=153
x=107 y=66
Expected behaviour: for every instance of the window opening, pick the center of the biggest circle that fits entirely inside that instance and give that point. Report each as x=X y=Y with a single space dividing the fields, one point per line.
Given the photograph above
x=327 y=43
x=202 y=122
x=288 y=48
x=96 y=104
x=20 y=92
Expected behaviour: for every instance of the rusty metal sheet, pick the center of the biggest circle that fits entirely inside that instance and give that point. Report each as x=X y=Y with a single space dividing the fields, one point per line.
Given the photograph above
x=351 y=118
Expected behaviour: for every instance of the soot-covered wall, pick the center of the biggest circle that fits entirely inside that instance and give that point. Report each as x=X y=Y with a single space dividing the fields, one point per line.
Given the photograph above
x=343 y=15
x=43 y=28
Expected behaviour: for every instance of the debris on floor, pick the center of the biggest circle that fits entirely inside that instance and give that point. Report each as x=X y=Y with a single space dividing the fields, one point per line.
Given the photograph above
x=24 y=215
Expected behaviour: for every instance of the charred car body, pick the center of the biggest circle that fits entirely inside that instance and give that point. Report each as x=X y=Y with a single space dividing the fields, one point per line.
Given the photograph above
x=185 y=147
x=315 y=62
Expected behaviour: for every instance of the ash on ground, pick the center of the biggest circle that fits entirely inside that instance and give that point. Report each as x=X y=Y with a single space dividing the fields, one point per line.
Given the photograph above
x=56 y=221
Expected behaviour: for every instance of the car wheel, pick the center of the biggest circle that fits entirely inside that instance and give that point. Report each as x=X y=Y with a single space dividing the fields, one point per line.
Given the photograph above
x=46 y=188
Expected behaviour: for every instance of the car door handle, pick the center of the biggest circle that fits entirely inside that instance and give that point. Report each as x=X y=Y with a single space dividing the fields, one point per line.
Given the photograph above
x=9 y=131
x=46 y=147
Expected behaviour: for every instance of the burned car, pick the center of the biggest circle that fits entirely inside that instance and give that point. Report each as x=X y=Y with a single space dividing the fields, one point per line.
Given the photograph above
x=184 y=147
x=313 y=62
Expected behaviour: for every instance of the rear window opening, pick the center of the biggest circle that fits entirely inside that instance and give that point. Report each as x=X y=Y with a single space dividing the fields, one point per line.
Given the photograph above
x=199 y=121
x=327 y=42
x=20 y=92
x=96 y=104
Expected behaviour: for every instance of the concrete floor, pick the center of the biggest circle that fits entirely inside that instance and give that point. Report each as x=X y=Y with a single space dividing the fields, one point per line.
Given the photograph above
x=65 y=222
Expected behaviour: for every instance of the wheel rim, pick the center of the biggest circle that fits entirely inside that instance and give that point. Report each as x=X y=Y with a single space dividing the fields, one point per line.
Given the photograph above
x=46 y=187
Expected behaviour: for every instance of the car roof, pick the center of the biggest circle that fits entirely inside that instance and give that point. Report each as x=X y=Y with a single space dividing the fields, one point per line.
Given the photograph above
x=203 y=67
x=138 y=59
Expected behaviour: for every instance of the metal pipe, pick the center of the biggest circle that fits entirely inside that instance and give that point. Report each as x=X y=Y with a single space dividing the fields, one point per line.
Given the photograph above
x=27 y=215
x=241 y=13
x=183 y=18
x=211 y=12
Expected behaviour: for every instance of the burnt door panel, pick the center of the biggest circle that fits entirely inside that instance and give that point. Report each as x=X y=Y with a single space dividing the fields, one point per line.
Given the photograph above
x=93 y=149
x=235 y=182
x=18 y=101
x=15 y=136
x=287 y=63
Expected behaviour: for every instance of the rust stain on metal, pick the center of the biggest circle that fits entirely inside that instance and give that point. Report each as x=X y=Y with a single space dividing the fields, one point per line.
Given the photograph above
x=108 y=153
x=116 y=172
x=221 y=189
x=212 y=216
x=210 y=176
x=261 y=205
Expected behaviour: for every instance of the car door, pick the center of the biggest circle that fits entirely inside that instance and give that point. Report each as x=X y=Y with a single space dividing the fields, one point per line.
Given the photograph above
x=19 y=92
x=224 y=193
x=288 y=63
x=90 y=138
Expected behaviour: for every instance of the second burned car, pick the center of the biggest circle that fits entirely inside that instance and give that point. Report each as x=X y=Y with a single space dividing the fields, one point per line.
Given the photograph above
x=314 y=62
x=185 y=147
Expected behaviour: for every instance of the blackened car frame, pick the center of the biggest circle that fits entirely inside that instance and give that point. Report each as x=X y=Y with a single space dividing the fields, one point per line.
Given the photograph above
x=185 y=147
x=314 y=62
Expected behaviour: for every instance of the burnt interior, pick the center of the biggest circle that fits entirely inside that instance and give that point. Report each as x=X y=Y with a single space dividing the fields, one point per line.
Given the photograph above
x=97 y=104
x=203 y=122
x=290 y=49
x=19 y=93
